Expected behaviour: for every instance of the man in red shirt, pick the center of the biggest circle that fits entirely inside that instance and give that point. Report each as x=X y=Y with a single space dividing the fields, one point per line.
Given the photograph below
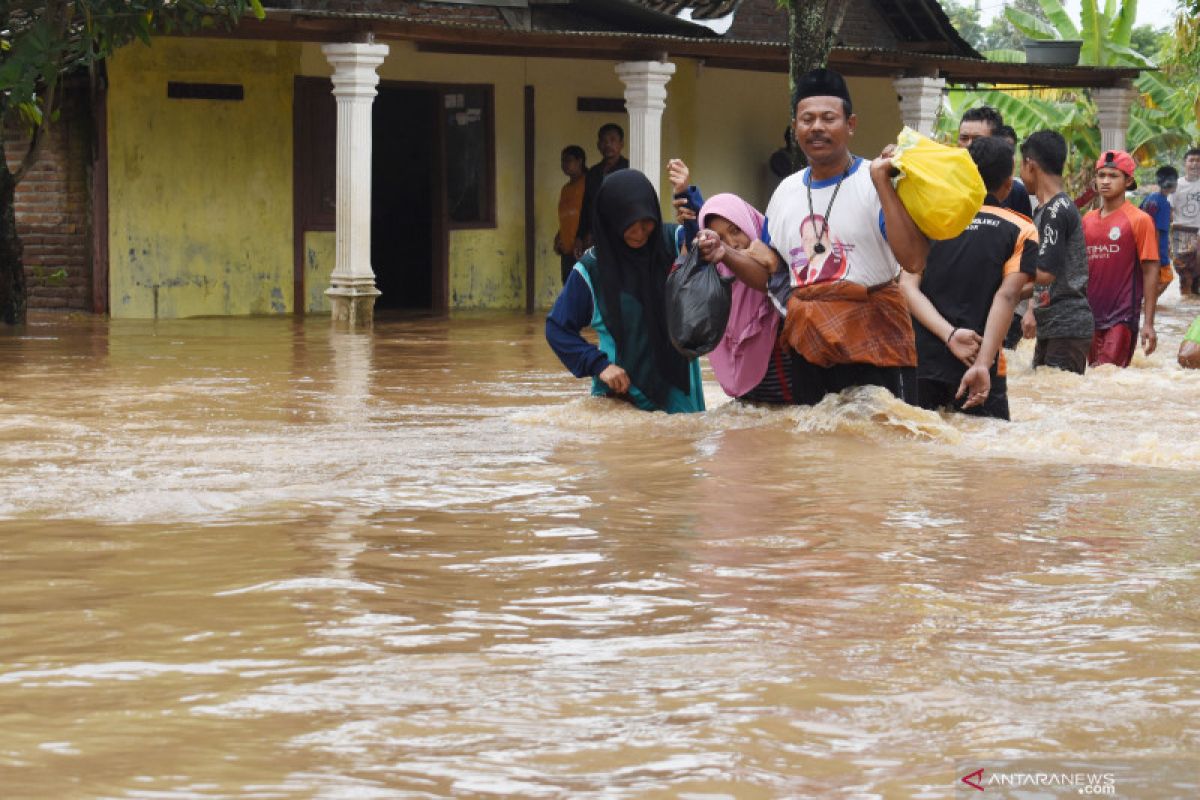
x=1122 y=250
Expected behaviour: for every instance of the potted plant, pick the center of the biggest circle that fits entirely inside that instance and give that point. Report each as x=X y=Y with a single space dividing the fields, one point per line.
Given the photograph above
x=1062 y=52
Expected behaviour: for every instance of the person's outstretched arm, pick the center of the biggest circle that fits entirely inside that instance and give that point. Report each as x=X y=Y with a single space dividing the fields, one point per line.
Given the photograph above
x=962 y=342
x=1149 y=305
x=977 y=381
x=752 y=266
x=687 y=199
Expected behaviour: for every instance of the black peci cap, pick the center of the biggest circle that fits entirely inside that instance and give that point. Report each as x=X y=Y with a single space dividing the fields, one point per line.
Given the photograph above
x=821 y=82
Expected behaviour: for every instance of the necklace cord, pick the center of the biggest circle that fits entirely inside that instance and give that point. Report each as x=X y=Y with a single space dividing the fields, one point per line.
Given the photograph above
x=820 y=248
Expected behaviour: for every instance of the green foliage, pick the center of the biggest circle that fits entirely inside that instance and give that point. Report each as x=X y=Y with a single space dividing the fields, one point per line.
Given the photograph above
x=1031 y=26
x=1150 y=41
x=1006 y=56
x=965 y=20
x=1182 y=49
x=1106 y=33
x=999 y=34
x=42 y=40
x=1162 y=123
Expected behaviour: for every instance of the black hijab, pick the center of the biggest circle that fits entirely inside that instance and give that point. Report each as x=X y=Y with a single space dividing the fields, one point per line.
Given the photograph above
x=631 y=286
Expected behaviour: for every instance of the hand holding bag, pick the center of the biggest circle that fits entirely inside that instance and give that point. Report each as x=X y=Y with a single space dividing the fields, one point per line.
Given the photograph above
x=938 y=185
x=698 y=302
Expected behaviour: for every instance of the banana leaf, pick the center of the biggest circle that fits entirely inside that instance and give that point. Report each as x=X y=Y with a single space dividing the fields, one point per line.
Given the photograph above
x=1005 y=56
x=1029 y=25
x=1146 y=141
x=1123 y=56
x=1093 y=34
x=1122 y=28
x=1059 y=18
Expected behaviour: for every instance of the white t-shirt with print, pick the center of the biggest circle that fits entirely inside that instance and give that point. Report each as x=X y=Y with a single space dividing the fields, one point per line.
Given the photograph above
x=854 y=245
x=1185 y=204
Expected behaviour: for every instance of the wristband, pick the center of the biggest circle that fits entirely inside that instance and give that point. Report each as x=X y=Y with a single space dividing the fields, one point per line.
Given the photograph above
x=951 y=336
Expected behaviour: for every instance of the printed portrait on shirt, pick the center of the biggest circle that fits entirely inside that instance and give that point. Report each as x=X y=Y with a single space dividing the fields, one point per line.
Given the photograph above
x=821 y=256
x=1188 y=205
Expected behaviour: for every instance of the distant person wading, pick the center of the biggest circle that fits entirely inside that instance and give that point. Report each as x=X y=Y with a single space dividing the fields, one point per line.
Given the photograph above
x=841 y=234
x=618 y=289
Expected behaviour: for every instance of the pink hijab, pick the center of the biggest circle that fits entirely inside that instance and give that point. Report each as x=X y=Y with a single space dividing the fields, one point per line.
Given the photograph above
x=740 y=360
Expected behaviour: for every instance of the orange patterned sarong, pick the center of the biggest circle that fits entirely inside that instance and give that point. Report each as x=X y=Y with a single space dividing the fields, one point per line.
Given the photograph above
x=848 y=323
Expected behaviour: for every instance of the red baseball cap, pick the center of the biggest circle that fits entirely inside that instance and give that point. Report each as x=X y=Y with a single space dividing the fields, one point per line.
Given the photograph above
x=1118 y=159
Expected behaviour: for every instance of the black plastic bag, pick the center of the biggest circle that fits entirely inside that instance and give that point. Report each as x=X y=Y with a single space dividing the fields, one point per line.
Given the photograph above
x=698 y=301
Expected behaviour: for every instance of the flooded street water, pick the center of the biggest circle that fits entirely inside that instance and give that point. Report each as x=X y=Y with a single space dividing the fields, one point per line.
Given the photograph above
x=257 y=558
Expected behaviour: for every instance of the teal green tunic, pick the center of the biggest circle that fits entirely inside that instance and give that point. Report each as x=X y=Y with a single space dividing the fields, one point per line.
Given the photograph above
x=677 y=402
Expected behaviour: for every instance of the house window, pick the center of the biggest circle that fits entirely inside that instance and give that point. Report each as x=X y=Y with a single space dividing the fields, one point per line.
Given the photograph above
x=470 y=167
x=177 y=90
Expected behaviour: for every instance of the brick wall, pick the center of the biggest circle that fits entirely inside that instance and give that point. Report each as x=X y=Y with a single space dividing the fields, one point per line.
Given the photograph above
x=862 y=26
x=759 y=21
x=54 y=213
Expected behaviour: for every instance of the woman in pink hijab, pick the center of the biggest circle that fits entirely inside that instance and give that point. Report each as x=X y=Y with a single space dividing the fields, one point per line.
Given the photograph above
x=749 y=363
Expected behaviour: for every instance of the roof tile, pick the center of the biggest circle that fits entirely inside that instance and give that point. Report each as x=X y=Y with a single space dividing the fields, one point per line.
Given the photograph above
x=701 y=9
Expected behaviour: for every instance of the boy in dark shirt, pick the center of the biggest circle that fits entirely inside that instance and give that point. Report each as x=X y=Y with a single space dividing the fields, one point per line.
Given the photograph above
x=963 y=301
x=1158 y=205
x=1059 y=314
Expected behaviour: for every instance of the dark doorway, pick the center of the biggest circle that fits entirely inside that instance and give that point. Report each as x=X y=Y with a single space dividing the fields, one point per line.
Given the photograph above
x=404 y=173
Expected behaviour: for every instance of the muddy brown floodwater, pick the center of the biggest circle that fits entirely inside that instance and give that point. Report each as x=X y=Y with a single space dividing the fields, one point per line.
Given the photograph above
x=257 y=558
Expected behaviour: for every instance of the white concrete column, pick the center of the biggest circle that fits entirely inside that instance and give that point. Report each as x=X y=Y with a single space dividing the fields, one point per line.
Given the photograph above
x=920 y=102
x=352 y=289
x=645 y=98
x=1113 y=104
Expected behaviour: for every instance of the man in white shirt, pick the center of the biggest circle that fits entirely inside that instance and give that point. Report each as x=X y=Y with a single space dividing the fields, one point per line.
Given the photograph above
x=1185 y=224
x=839 y=233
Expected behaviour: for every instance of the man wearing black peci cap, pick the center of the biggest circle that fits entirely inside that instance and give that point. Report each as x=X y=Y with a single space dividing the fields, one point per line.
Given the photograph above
x=836 y=237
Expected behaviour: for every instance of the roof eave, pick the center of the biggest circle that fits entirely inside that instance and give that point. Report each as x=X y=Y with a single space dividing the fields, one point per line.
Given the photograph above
x=454 y=37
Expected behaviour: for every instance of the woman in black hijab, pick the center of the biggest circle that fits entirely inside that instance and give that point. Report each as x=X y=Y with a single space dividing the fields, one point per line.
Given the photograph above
x=618 y=289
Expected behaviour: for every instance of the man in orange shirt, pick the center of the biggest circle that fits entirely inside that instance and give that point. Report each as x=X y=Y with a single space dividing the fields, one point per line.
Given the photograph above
x=570 y=201
x=1122 y=249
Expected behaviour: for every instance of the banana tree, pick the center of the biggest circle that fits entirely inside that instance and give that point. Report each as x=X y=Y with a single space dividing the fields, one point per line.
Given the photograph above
x=1164 y=119
x=1167 y=118
x=1105 y=32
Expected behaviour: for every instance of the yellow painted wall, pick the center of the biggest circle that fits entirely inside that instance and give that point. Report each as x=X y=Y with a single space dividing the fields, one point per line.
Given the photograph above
x=724 y=123
x=487 y=265
x=731 y=151
x=199 y=190
x=320 y=254
x=878 y=110
x=557 y=85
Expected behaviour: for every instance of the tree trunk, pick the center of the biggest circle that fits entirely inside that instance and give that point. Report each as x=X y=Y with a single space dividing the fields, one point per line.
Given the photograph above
x=812 y=31
x=12 y=270
x=813 y=27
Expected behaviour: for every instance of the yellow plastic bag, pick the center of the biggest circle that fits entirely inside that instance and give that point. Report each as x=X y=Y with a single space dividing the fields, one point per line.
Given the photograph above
x=940 y=186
